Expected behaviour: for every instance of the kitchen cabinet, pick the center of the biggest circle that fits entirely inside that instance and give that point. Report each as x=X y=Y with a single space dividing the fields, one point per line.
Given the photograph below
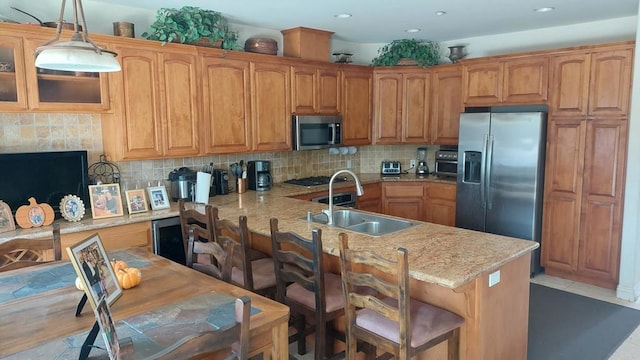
x=315 y=90
x=402 y=106
x=13 y=86
x=226 y=93
x=441 y=203
x=370 y=200
x=594 y=82
x=356 y=105
x=404 y=199
x=446 y=104
x=509 y=81
x=156 y=114
x=113 y=237
x=271 y=106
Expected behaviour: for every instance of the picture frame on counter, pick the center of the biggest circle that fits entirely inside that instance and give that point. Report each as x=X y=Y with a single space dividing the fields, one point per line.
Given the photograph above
x=94 y=269
x=6 y=218
x=72 y=208
x=158 y=197
x=136 y=201
x=105 y=201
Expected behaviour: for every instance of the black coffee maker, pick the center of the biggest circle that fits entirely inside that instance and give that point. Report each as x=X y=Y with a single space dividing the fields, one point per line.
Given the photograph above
x=259 y=175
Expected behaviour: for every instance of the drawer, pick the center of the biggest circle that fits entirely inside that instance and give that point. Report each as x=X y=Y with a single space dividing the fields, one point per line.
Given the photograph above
x=441 y=191
x=397 y=190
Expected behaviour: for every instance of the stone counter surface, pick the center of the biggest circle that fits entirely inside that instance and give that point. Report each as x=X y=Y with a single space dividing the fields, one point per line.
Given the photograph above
x=447 y=256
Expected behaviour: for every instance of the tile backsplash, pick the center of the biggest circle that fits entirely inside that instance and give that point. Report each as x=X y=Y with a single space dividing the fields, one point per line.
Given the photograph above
x=32 y=132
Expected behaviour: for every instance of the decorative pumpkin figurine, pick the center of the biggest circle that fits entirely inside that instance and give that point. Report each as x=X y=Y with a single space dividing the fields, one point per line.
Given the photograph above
x=79 y=285
x=129 y=277
x=118 y=265
x=34 y=214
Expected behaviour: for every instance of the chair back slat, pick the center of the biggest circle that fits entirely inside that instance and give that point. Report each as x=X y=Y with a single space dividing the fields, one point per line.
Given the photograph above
x=19 y=253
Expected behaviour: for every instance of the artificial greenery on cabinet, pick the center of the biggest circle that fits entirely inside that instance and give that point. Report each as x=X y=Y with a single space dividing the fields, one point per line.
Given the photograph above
x=190 y=24
x=425 y=53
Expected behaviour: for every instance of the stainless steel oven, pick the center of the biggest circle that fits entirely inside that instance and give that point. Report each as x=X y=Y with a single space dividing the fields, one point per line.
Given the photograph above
x=447 y=162
x=347 y=199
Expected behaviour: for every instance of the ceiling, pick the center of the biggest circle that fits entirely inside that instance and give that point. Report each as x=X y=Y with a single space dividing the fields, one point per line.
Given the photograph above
x=380 y=21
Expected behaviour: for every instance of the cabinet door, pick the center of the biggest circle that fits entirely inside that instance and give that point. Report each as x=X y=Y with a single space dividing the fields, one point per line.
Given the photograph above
x=370 y=200
x=328 y=91
x=602 y=199
x=405 y=200
x=446 y=105
x=226 y=93
x=483 y=83
x=134 y=130
x=610 y=83
x=416 y=107
x=569 y=84
x=441 y=204
x=387 y=99
x=563 y=193
x=179 y=99
x=526 y=80
x=356 y=107
x=64 y=91
x=304 y=90
x=13 y=87
x=271 y=88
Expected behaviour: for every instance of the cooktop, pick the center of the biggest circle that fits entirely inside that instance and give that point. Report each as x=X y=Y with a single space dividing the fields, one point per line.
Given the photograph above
x=314 y=180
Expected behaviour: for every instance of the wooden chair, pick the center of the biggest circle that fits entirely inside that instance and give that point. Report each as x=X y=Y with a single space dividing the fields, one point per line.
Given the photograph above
x=396 y=324
x=198 y=232
x=19 y=253
x=252 y=269
x=313 y=296
x=230 y=343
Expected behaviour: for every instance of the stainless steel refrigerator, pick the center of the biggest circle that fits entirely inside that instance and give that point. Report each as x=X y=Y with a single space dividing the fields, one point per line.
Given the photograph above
x=501 y=153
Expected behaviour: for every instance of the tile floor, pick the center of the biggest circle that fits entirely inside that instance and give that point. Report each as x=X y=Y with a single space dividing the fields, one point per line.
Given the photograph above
x=630 y=349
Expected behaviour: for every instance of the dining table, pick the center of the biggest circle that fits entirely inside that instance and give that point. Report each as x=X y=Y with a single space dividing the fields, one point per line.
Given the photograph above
x=38 y=310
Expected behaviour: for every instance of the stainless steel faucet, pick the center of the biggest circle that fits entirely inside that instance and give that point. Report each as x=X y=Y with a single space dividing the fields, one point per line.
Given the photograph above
x=359 y=192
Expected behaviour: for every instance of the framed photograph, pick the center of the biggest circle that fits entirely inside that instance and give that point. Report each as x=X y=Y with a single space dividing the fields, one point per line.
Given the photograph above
x=105 y=201
x=6 y=218
x=72 y=208
x=158 y=197
x=136 y=201
x=105 y=321
x=94 y=270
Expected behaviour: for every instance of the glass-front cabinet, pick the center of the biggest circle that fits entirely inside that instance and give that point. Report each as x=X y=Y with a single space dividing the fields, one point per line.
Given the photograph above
x=13 y=89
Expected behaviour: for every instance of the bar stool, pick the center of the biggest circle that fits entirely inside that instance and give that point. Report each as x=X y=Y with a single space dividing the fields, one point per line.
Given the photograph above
x=252 y=269
x=301 y=283
x=397 y=324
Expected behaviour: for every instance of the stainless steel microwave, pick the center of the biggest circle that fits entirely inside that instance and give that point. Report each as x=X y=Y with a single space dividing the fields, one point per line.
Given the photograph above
x=316 y=131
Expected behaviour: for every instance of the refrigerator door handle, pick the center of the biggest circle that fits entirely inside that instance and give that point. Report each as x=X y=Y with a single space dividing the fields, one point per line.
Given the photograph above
x=483 y=164
x=489 y=162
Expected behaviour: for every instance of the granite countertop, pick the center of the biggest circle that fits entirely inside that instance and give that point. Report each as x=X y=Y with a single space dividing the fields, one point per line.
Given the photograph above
x=444 y=255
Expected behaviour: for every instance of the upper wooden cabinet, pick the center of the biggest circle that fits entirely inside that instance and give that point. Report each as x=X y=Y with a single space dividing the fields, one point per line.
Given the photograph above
x=271 y=106
x=13 y=86
x=315 y=90
x=357 y=91
x=402 y=106
x=446 y=104
x=155 y=114
x=226 y=95
x=511 y=81
x=596 y=82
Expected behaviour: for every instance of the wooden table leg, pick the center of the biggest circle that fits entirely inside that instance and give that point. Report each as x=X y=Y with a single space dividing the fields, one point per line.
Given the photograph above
x=280 y=341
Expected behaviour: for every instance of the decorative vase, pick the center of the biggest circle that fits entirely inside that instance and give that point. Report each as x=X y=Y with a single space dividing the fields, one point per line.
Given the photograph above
x=456 y=53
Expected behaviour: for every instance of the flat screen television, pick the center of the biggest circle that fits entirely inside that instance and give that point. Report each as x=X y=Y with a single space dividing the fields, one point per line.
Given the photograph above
x=45 y=176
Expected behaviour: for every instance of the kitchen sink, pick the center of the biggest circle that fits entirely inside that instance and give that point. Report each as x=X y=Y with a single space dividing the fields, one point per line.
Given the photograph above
x=362 y=222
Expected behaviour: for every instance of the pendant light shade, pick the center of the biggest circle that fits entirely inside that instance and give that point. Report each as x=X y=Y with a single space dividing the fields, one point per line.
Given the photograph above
x=77 y=54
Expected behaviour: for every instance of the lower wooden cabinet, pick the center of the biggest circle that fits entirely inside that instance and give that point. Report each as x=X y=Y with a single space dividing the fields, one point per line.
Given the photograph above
x=404 y=199
x=371 y=199
x=114 y=237
x=441 y=204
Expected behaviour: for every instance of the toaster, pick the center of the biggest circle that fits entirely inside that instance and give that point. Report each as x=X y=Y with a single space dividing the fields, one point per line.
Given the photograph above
x=390 y=168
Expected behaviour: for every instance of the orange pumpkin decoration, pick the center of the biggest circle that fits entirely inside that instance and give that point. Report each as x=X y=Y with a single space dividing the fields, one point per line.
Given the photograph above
x=129 y=277
x=34 y=214
x=118 y=264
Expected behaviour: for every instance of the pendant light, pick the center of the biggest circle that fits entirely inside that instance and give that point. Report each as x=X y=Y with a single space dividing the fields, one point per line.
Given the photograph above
x=77 y=54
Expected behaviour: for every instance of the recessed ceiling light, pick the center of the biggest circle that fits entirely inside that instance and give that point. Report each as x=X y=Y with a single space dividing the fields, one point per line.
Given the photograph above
x=413 y=30
x=440 y=13
x=544 y=9
x=342 y=16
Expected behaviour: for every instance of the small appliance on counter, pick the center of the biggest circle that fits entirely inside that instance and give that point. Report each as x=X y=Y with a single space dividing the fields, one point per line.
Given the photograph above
x=422 y=169
x=221 y=181
x=447 y=161
x=259 y=175
x=182 y=184
x=390 y=168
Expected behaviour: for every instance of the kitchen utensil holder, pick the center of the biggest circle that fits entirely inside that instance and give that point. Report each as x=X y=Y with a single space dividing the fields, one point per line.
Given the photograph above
x=241 y=186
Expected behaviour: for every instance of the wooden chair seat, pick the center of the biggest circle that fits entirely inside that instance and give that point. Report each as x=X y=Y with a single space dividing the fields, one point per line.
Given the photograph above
x=333 y=294
x=19 y=253
x=263 y=274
